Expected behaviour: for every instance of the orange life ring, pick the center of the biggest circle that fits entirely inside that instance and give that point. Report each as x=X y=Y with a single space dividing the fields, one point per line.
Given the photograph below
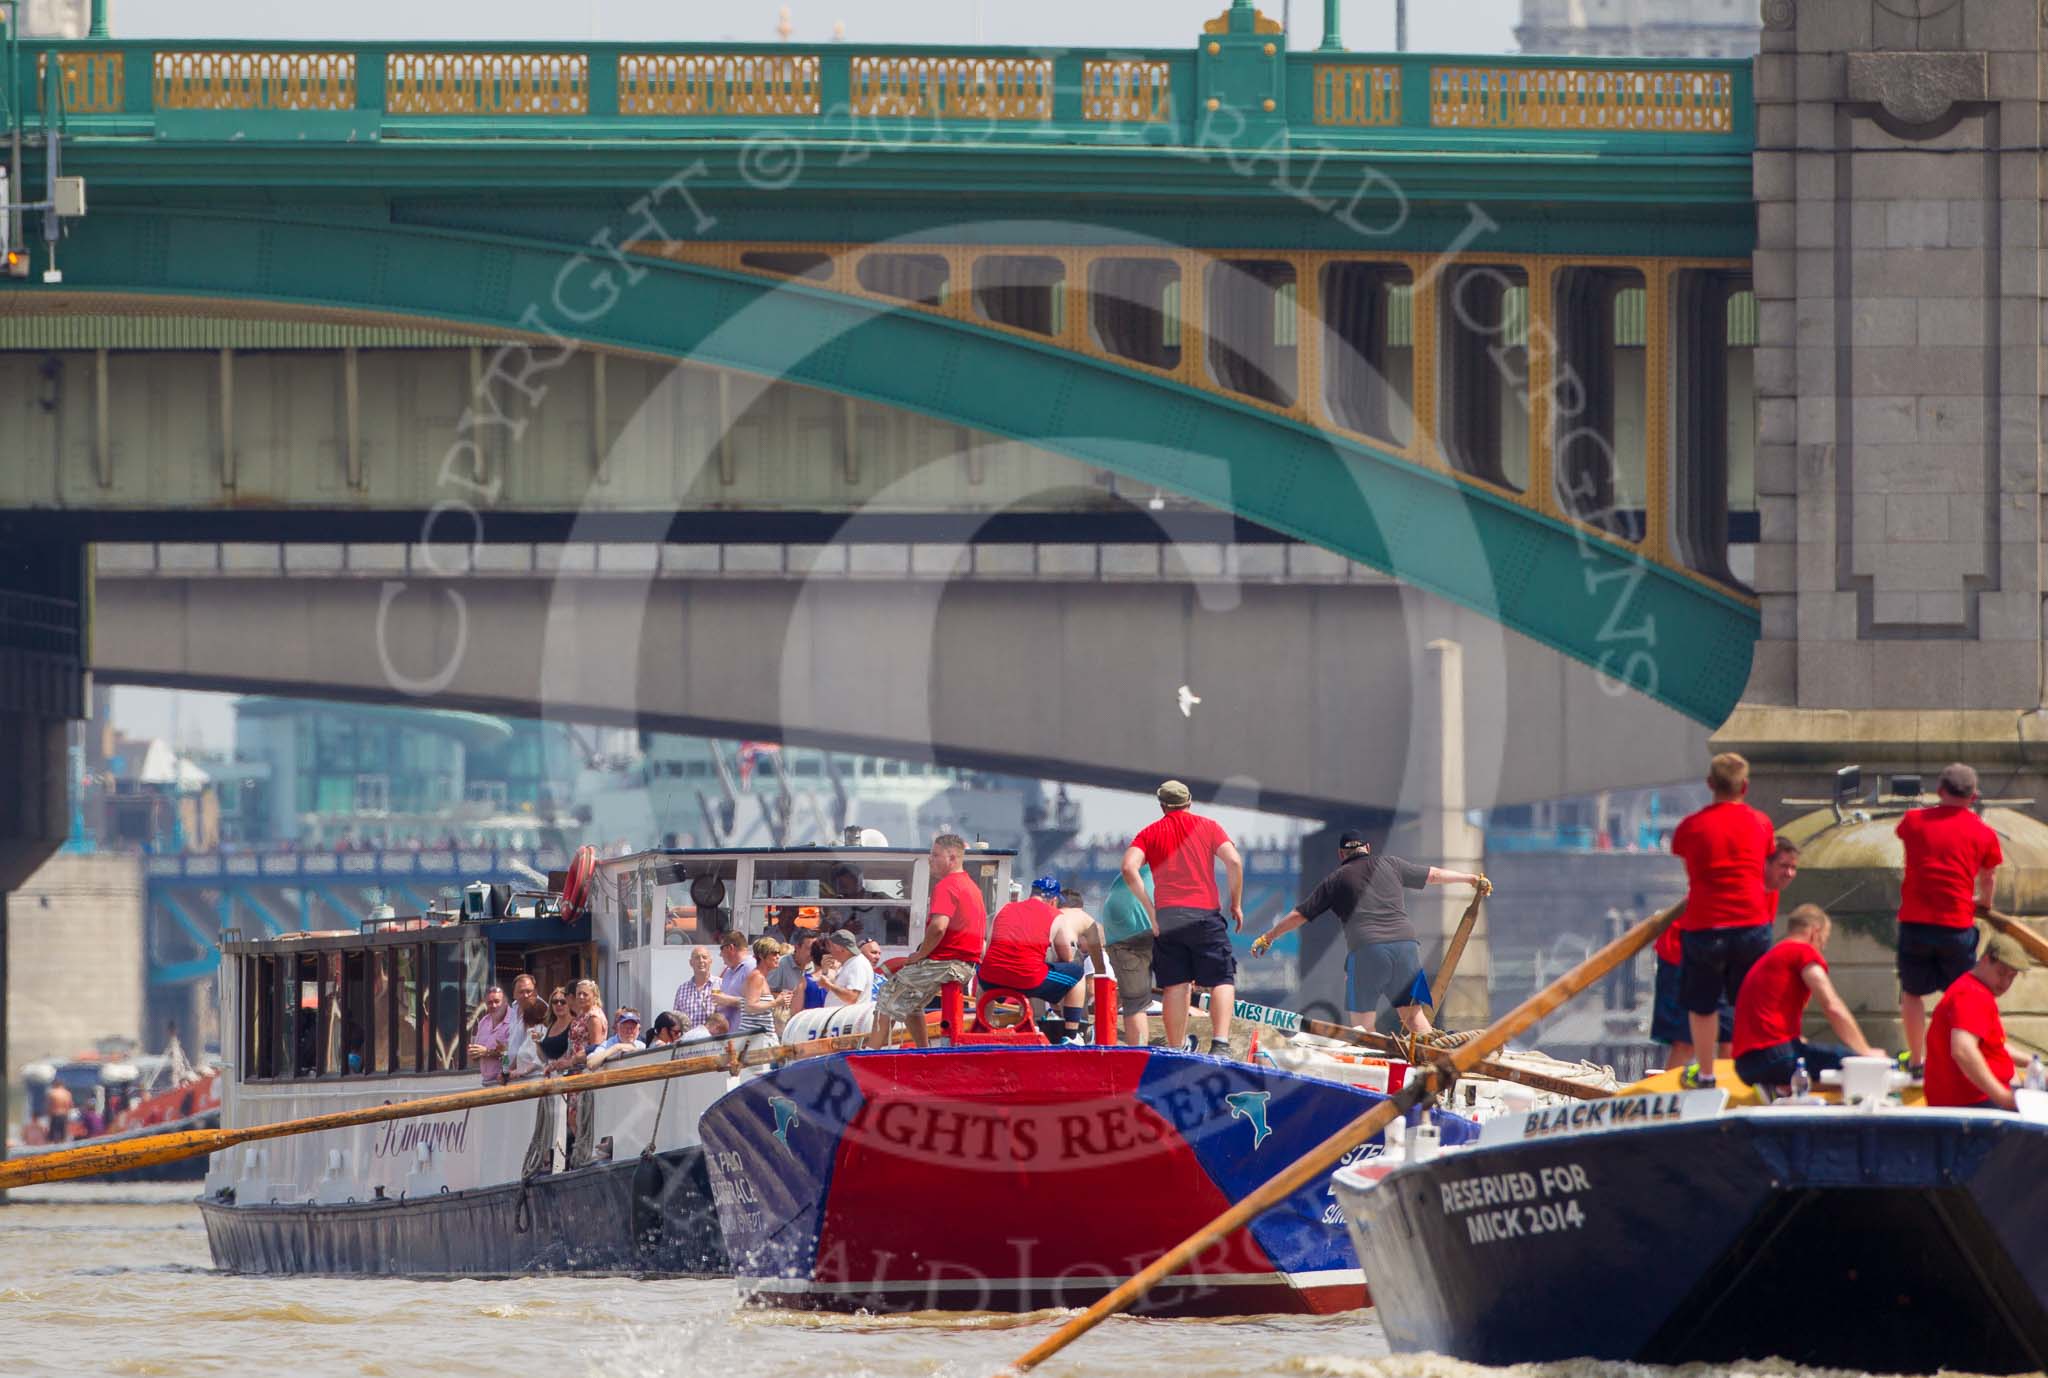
x=576 y=888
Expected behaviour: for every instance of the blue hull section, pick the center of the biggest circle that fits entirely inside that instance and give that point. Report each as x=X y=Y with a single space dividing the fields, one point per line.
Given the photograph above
x=1894 y=1243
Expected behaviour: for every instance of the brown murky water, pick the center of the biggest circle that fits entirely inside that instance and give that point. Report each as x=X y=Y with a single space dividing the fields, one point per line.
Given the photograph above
x=116 y=1280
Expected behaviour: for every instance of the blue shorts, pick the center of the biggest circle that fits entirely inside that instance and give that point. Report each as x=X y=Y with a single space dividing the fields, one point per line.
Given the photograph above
x=1668 y=1023
x=1933 y=957
x=1773 y=1066
x=1060 y=977
x=1716 y=960
x=1380 y=971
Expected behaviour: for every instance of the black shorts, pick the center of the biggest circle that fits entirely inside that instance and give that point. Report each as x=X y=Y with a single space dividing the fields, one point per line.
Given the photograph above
x=1716 y=960
x=1193 y=946
x=1667 y=1016
x=1932 y=956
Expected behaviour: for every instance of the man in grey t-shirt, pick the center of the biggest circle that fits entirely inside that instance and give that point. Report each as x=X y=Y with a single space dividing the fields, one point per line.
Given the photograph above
x=1365 y=893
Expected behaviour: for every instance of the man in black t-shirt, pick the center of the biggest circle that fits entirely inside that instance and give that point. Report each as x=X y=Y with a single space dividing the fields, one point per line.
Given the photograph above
x=1364 y=892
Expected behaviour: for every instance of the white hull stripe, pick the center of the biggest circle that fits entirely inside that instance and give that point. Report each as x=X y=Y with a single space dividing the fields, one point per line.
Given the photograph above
x=1336 y=1277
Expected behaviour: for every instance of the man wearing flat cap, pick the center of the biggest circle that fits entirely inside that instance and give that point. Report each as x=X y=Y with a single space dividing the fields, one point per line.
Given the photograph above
x=1967 y=1060
x=1193 y=946
x=1952 y=861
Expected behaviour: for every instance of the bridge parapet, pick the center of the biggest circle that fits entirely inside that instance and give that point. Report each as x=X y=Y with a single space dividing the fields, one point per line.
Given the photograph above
x=1231 y=91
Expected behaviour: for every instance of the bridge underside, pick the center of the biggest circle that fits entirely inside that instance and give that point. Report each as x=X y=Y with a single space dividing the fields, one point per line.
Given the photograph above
x=958 y=662
x=1590 y=580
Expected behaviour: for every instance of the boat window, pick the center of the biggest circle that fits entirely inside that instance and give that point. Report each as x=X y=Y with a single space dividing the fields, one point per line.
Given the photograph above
x=675 y=903
x=823 y=894
x=259 y=1015
x=331 y=1015
x=285 y=1032
x=408 y=1009
x=476 y=975
x=381 y=963
x=447 y=1044
x=306 y=1016
x=355 y=1020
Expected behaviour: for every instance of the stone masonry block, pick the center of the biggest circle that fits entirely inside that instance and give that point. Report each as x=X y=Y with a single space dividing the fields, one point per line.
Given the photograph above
x=1813 y=126
x=1066 y=561
x=2000 y=674
x=1813 y=223
x=815 y=560
x=2002 y=26
x=629 y=557
x=879 y=559
x=1779 y=615
x=1004 y=561
x=1776 y=566
x=376 y=557
x=1777 y=126
x=689 y=559
x=939 y=560
x=1193 y=560
x=1815 y=173
x=1775 y=374
x=1130 y=560
x=1916 y=517
x=1894 y=609
x=314 y=559
x=1816 y=420
x=1916 y=224
x=1773 y=674
x=1312 y=563
x=2008 y=616
x=1917 y=272
x=1835 y=674
x=1954 y=370
x=1834 y=28
x=506 y=557
x=1267 y=560
x=752 y=558
x=1777 y=471
x=1878 y=323
x=1776 y=77
x=1774 y=224
x=1940 y=609
x=124 y=557
x=571 y=557
x=1773 y=273
x=1866 y=222
x=1966 y=224
x=251 y=557
x=1819 y=76
x=1950 y=322
x=1777 y=519
x=1771 y=177
x=1882 y=420
x=440 y=560
x=1777 y=421
x=2014 y=76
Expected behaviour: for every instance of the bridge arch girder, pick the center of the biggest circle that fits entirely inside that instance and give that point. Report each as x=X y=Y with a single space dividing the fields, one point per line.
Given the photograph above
x=1650 y=628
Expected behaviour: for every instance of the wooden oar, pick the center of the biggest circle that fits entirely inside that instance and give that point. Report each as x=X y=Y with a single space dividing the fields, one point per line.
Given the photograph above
x=94 y=1160
x=1439 y=988
x=1323 y=1157
x=1291 y=1022
x=2034 y=943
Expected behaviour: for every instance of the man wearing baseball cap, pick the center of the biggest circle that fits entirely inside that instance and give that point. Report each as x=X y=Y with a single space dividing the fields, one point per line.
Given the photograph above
x=854 y=978
x=1385 y=961
x=1019 y=937
x=1193 y=943
x=1967 y=1060
x=1952 y=861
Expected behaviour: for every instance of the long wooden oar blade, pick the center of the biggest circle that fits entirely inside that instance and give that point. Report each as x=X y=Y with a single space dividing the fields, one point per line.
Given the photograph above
x=1326 y=1155
x=2034 y=943
x=1439 y=988
x=96 y=1160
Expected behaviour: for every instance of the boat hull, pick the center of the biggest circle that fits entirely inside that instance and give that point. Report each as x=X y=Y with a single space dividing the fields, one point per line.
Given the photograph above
x=1898 y=1242
x=606 y=1218
x=1017 y=1179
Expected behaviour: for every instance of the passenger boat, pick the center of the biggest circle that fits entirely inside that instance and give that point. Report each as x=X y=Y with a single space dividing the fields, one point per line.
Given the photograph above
x=324 y=1022
x=1663 y=1228
x=1008 y=1177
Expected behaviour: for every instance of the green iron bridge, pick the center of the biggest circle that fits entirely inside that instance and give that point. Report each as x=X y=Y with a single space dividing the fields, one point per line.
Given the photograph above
x=1481 y=323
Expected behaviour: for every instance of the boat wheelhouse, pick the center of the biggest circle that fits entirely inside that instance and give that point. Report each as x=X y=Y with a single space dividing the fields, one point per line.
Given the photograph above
x=323 y=1022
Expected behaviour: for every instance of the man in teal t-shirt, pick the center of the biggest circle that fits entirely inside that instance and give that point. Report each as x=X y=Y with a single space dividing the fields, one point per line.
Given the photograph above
x=1127 y=937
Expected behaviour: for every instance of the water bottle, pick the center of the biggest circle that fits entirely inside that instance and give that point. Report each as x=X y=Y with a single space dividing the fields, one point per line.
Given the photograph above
x=1802 y=1084
x=2037 y=1075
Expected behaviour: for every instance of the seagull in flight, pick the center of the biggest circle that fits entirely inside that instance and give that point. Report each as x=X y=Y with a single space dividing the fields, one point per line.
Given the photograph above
x=1188 y=699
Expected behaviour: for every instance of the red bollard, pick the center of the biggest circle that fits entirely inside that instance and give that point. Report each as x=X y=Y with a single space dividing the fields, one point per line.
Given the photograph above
x=952 y=1011
x=1105 y=1011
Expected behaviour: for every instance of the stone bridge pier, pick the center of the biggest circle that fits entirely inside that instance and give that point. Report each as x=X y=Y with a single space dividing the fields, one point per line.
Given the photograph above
x=1898 y=273
x=43 y=601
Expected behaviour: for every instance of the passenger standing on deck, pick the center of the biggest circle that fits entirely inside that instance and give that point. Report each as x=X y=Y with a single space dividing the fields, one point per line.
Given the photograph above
x=1127 y=938
x=1385 y=961
x=1726 y=925
x=732 y=979
x=1192 y=946
x=529 y=1022
x=697 y=998
x=954 y=927
x=854 y=979
x=755 y=1016
x=493 y=1036
x=1773 y=1000
x=1019 y=937
x=1952 y=861
x=1967 y=1060
x=1668 y=1022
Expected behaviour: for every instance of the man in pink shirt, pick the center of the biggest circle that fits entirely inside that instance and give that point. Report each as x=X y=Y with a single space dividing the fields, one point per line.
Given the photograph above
x=1193 y=946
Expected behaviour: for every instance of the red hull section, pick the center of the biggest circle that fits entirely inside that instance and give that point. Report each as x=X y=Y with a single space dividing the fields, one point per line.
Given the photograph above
x=1018 y=1179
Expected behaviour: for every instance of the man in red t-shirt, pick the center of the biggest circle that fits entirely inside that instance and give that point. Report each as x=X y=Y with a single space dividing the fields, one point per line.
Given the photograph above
x=1726 y=925
x=1967 y=1061
x=1772 y=1003
x=1019 y=937
x=953 y=929
x=1193 y=946
x=1952 y=861
x=1668 y=1022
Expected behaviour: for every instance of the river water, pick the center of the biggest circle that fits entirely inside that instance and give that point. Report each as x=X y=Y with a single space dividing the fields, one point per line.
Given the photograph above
x=100 y=1279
